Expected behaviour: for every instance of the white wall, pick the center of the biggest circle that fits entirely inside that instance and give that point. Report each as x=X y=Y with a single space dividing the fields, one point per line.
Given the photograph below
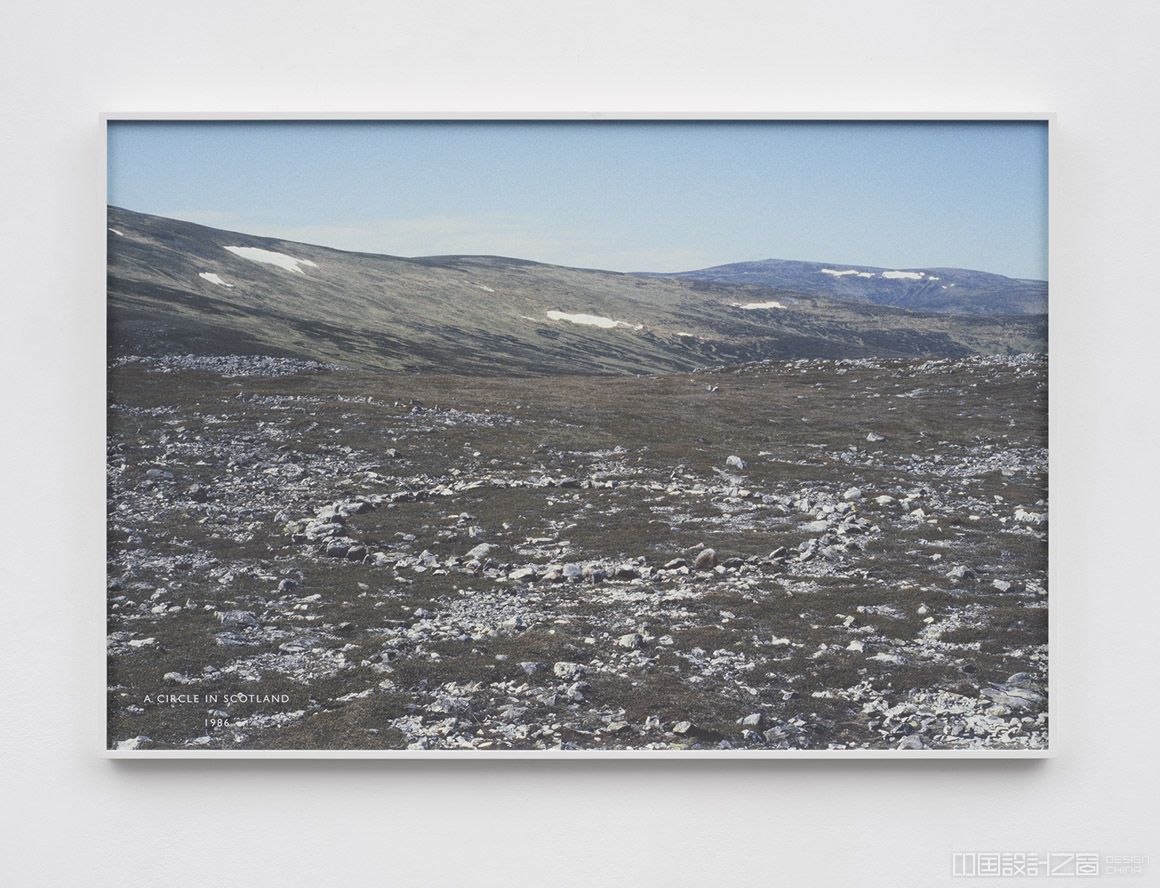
x=72 y=819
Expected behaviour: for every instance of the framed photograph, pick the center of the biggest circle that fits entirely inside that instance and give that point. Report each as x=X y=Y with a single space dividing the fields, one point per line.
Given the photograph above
x=557 y=437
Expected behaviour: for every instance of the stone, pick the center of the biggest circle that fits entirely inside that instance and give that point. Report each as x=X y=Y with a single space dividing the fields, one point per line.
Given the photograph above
x=912 y=741
x=884 y=500
x=198 y=493
x=1023 y=516
x=300 y=645
x=874 y=438
x=735 y=462
x=568 y=671
x=338 y=547
x=159 y=475
x=139 y=742
x=774 y=735
x=705 y=560
x=682 y=727
x=522 y=575
x=320 y=530
x=752 y=720
x=515 y=624
x=238 y=619
x=852 y=493
x=631 y=640
x=675 y=563
x=1001 y=585
x=1019 y=693
x=480 y=552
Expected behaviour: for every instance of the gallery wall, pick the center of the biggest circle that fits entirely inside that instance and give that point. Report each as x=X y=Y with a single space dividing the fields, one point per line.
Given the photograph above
x=71 y=818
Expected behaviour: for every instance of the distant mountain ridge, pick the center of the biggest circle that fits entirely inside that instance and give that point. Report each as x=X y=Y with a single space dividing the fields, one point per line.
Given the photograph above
x=179 y=288
x=942 y=290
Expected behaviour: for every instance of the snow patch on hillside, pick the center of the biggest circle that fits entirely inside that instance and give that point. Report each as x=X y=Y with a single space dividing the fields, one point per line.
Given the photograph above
x=834 y=272
x=750 y=306
x=213 y=278
x=586 y=320
x=116 y=232
x=889 y=275
x=270 y=257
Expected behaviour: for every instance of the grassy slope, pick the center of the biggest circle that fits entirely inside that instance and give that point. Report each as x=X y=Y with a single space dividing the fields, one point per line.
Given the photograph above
x=484 y=314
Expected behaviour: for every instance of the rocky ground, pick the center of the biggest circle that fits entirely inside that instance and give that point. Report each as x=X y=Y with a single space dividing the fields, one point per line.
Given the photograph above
x=795 y=555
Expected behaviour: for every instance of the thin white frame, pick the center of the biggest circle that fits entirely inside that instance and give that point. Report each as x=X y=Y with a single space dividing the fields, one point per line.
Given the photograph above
x=100 y=657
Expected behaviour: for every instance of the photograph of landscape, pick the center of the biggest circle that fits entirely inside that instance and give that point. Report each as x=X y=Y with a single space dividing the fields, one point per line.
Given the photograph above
x=512 y=436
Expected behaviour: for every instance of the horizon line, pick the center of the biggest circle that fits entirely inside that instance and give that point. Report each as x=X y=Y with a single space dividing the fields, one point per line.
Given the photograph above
x=638 y=272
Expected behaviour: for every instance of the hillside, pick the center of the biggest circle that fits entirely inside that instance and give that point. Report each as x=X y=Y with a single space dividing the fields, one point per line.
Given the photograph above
x=942 y=290
x=179 y=288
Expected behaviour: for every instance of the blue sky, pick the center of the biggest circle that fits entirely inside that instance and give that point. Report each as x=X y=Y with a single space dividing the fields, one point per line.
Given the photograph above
x=627 y=196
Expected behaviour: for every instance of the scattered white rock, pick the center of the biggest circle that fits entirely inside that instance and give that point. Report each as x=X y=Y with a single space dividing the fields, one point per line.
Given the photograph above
x=480 y=552
x=1025 y=516
x=568 y=671
x=132 y=743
